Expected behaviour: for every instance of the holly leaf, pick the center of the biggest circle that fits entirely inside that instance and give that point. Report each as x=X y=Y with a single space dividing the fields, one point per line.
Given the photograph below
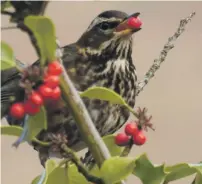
x=11 y=130
x=58 y=175
x=103 y=93
x=7 y=57
x=37 y=123
x=182 y=170
x=114 y=149
x=150 y=174
x=198 y=179
x=5 y=5
x=36 y=180
x=44 y=31
x=147 y=172
x=64 y=175
x=74 y=177
x=116 y=169
x=49 y=167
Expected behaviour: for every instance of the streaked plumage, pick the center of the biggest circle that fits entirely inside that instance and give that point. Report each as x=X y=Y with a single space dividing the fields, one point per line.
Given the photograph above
x=101 y=57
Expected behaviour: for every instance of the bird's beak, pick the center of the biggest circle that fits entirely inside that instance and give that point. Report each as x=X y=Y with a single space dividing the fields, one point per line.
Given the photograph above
x=129 y=25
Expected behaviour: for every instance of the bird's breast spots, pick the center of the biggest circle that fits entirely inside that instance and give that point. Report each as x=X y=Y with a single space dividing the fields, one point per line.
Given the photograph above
x=94 y=114
x=82 y=51
x=112 y=119
x=71 y=71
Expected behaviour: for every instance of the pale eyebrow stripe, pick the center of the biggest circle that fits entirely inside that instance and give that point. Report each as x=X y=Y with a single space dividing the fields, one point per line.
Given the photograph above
x=99 y=20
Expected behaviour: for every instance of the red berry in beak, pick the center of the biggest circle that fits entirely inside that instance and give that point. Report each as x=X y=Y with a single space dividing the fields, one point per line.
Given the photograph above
x=134 y=22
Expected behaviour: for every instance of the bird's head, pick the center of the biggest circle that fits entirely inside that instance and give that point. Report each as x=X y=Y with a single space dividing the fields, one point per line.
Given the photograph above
x=111 y=31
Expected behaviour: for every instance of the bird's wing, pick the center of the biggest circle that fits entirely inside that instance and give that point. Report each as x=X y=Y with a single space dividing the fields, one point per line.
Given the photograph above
x=10 y=88
x=10 y=78
x=11 y=73
x=70 y=58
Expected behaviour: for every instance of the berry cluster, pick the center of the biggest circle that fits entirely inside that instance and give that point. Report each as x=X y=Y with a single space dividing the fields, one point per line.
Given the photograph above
x=132 y=133
x=48 y=90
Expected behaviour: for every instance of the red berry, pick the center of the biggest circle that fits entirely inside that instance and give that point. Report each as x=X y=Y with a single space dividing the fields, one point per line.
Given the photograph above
x=122 y=139
x=45 y=91
x=139 y=138
x=17 y=110
x=131 y=129
x=30 y=108
x=54 y=68
x=52 y=81
x=134 y=22
x=56 y=93
x=36 y=99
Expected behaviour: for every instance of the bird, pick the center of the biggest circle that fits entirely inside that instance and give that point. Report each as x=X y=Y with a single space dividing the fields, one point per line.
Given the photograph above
x=102 y=56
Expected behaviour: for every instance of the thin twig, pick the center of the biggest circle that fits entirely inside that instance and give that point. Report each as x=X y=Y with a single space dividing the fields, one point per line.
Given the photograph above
x=7 y=13
x=131 y=110
x=63 y=162
x=80 y=166
x=167 y=47
x=41 y=143
x=8 y=28
x=127 y=149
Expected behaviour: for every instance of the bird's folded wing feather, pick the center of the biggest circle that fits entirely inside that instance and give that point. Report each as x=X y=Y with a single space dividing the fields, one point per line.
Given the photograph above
x=10 y=78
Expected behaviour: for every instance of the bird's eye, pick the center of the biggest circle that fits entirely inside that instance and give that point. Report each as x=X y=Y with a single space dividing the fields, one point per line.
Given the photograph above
x=104 y=26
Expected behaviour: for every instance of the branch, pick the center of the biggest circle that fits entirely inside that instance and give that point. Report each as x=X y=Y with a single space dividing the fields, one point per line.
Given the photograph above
x=80 y=166
x=8 y=28
x=41 y=143
x=86 y=127
x=127 y=149
x=83 y=120
x=167 y=47
x=7 y=13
